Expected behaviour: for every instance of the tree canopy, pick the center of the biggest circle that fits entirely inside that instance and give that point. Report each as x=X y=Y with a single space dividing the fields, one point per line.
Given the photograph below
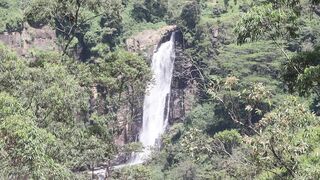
x=247 y=76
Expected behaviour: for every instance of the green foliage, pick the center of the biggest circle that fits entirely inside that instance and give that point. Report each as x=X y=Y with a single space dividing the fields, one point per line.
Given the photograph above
x=279 y=19
x=240 y=85
x=38 y=13
x=9 y=106
x=190 y=15
x=150 y=10
x=122 y=70
x=197 y=145
x=59 y=115
x=11 y=16
x=140 y=13
x=266 y=22
x=26 y=150
x=285 y=147
x=229 y=138
x=132 y=147
x=302 y=72
x=91 y=23
x=258 y=62
x=185 y=170
x=203 y=117
x=243 y=106
x=136 y=172
x=226 y=3
x=50 y=110
x=56 y=91
x=289 y=134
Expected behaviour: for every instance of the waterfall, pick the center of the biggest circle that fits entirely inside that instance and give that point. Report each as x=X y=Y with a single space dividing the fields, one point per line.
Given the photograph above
x=156 y=104
x=156 y=101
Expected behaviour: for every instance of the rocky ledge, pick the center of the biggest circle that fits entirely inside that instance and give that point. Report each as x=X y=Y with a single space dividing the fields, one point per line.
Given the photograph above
x=147 y=41
x=43 y=38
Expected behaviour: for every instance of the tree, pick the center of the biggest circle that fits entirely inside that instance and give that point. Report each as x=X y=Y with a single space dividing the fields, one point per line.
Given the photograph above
x=302 y=72
x=246 y=106
x=266 y=22
x=278 y=19
x=58 y=103
x=26 y=150
x=190 y=15
x=150 y=10
x=135 y=172
x=74 y=18
x=141 y=13
x=121 y=77
x=226 y=3
x=227 y=140
x=11 y=16
x=289 y=135
x=157 y=8
x=204 y=116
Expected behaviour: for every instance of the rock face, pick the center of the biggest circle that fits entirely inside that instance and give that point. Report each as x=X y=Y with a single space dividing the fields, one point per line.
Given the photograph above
x=30 y=38
x=146 y=42
x=184 y=88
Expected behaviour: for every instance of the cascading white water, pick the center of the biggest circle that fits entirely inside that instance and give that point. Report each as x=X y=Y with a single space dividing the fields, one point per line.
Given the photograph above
x=156 y=101
x=156 y=104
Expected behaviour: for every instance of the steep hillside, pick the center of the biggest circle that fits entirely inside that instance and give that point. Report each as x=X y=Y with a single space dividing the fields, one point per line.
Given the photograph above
x=244 y=101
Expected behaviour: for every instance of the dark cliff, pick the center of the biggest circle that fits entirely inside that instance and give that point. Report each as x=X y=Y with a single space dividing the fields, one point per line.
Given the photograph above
x=184 y=85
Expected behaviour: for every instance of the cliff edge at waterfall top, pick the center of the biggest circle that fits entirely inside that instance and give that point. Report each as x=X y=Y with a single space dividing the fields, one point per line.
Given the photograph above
x=159 y=89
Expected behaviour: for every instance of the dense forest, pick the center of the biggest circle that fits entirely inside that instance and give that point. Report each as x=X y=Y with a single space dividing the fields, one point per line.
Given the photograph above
x=254 y=65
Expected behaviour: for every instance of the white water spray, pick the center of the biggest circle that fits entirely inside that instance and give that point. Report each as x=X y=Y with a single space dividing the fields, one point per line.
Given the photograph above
x=156 y=101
